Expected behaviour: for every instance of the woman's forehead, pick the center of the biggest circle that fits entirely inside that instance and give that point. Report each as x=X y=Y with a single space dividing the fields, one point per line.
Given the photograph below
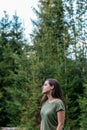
x=46 y=82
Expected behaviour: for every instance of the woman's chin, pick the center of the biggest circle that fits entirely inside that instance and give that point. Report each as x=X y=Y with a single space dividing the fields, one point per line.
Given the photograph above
x=44 y=92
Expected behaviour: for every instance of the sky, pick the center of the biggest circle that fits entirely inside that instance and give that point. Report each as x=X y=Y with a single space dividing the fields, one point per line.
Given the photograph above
x=23 y=8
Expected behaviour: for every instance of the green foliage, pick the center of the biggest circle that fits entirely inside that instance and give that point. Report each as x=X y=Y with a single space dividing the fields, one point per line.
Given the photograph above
x=13 y=79
x=83 y=106
x=52 y=38
x=24 y=67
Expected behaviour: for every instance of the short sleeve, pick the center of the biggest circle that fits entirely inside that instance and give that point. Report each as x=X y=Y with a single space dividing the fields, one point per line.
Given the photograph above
x=60 y=106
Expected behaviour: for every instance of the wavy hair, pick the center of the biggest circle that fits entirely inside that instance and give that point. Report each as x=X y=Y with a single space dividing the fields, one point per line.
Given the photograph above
x=57 y=90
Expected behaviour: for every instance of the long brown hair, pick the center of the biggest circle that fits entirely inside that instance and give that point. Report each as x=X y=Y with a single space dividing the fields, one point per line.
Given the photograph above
x=57 y=91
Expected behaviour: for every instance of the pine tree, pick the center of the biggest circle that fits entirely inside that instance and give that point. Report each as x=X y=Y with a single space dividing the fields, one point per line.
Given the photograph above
x=14 y=88
x=50 y=41
x=74 y=13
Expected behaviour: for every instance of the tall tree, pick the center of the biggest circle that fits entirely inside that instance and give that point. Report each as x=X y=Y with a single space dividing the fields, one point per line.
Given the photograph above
x=50 y=41
x=49 y=35
x=74 y=13
x=13 y=77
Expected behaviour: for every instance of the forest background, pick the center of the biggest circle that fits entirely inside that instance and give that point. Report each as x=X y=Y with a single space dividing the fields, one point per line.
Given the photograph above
x=57 y=49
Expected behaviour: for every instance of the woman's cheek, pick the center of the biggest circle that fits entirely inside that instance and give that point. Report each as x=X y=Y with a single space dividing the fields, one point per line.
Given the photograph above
x=45 y=89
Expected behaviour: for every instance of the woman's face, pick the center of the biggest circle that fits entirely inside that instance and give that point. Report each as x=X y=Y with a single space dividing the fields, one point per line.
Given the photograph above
x=46 y=88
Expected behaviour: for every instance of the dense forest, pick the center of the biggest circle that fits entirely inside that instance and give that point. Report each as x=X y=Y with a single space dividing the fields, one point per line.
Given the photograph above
x=58 y=50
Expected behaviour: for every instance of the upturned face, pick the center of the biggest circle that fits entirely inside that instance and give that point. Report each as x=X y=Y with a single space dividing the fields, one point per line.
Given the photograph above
x=46 y=88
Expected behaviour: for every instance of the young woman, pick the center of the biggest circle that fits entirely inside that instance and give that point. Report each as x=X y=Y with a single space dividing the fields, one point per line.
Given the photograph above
x=52 y=106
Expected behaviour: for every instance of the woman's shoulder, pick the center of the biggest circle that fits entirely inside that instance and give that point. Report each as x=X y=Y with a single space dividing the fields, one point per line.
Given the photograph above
x=59 y=104
x=59 y=100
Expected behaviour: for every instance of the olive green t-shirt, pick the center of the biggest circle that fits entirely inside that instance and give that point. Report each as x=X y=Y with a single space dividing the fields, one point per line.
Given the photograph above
x=49 y=114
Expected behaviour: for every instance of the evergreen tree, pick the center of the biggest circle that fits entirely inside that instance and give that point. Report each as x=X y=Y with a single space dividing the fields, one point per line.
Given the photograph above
x=50 y=41
x=74 y=13
x=49 y=36
x=14 y=88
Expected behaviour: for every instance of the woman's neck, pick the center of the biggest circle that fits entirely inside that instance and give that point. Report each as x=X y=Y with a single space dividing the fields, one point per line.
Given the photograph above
x=50 y=97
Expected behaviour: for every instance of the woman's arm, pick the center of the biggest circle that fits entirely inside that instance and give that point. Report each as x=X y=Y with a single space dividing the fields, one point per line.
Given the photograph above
x=61 y=118
x=41 y=125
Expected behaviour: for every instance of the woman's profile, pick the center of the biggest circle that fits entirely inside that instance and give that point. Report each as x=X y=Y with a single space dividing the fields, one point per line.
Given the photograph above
x=52 y=106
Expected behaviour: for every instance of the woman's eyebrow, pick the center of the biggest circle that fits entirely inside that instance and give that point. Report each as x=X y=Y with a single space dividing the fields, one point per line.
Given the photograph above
x=45 y=83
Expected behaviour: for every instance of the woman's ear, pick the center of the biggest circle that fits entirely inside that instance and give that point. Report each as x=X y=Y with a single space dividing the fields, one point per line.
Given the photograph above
x=52 y=87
